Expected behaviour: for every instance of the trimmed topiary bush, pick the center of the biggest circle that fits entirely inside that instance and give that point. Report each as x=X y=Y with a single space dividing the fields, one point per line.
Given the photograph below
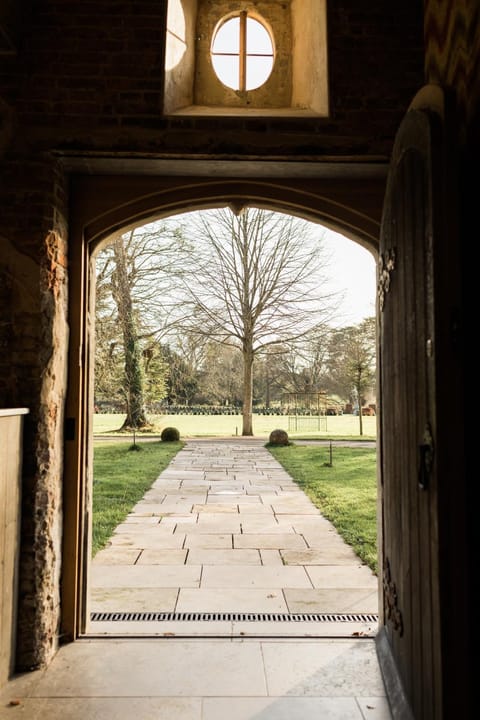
x=279 y=437
x=170 y=434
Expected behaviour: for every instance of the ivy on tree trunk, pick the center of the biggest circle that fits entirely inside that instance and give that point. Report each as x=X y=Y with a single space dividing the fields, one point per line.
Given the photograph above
x=134 y=380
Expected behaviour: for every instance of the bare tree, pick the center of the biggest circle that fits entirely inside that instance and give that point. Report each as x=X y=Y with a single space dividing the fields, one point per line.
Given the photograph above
x=303 y=363
x=134 y=379
x=109 y=354
x=352 y=361
x=136 y=308
x=184 y=361
x=259 y=280
x=221 y=374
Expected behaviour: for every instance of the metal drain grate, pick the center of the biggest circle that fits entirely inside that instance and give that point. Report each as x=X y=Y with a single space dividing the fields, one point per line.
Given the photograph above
x=232 y=617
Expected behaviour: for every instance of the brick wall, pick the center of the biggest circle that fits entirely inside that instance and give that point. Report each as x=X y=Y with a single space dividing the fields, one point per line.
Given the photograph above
x=89 y=75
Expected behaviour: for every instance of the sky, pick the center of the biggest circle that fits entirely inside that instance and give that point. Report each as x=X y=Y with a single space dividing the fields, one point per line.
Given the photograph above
x=353 y=270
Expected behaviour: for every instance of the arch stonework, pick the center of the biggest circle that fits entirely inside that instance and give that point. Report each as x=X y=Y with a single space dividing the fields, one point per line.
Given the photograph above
x=104 y=204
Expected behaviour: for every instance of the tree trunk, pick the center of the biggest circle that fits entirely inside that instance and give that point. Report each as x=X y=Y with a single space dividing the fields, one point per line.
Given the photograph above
x=136 y=417
x=247 y=423
x=267 y=382
x=360 y=414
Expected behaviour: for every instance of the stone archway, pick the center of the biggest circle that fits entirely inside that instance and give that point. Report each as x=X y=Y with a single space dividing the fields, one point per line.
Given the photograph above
x=101 y=204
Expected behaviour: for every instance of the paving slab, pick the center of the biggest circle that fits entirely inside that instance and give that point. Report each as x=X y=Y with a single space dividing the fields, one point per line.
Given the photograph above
x=344 y=576
x=134 y=519
x=254 y=509
x=315 y=600
x=325 y=555
x=264 y=576
x=226 y=556
x=279 y=540
x=304 y=671
x=271 y=557
x=213 y=525
x=207 y=540
x=231 y=600
x=163 y=557
x=117 y=556
x=156 y=669
x=143 y=540
x=156 y=576
x=263 y=524
x=213 y=509
x=133 y=599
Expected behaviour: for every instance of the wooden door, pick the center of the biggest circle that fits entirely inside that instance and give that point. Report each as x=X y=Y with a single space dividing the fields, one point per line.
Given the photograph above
x=408 y=417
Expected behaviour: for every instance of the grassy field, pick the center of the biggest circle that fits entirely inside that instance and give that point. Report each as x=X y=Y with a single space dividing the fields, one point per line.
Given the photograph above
x=331 y=427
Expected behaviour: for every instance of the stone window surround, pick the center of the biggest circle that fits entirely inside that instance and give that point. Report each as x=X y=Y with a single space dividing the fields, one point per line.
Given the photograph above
x=299 y=86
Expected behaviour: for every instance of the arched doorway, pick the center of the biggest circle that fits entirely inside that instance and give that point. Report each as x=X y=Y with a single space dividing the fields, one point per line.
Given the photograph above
x=103 y=204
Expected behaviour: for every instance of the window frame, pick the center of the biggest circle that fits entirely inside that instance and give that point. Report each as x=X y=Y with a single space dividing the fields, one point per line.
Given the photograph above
x=243 y=54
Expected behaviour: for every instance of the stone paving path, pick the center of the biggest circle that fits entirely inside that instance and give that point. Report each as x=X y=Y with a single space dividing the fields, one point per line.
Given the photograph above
x=224 y=529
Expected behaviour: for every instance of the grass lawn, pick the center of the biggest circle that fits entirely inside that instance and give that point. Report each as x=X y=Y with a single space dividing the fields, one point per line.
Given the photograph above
x=345 y=493
x=121 y=477
x=332 y=427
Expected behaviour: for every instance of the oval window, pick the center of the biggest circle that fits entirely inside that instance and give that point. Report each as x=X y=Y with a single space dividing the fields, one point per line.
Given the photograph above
x=242 y=53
